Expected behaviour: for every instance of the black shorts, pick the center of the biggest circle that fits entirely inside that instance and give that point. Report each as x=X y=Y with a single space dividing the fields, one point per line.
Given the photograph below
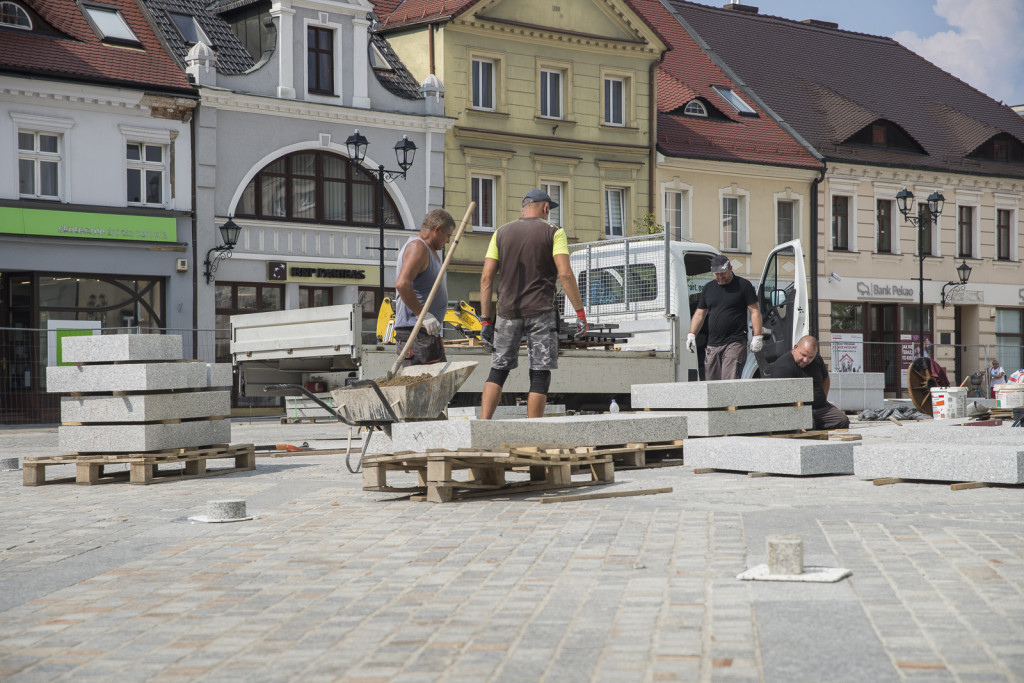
x=425 y=349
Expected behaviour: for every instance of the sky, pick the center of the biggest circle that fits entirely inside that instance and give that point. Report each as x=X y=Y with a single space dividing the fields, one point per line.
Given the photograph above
x=981 y=42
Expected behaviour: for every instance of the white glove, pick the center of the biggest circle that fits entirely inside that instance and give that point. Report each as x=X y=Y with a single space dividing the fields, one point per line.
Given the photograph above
x=756 y=343
x=431 y=325
x=691 y=342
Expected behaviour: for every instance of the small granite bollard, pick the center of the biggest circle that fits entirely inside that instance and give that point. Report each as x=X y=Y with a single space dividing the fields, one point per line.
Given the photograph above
x=785 y=555
x=9 y=464
x=223 y=511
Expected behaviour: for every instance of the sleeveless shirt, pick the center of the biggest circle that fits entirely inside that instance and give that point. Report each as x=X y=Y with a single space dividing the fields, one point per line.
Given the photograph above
x=421 y=285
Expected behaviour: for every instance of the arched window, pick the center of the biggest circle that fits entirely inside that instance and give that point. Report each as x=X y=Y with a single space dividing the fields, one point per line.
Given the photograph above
x=14 y=15
x=695 y=108
x=316 y=187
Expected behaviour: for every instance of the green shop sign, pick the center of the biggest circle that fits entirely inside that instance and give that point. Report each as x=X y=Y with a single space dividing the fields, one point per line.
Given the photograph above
x=101 y=226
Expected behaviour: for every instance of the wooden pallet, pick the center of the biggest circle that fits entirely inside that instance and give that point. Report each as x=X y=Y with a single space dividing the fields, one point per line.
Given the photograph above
x=309 y=420
x=143 y=468
x=548 y=468
x=632 y=456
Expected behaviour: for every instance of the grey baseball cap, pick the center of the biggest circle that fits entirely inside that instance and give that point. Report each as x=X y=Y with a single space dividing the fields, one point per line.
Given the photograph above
x=719 y=263
x=539 y=196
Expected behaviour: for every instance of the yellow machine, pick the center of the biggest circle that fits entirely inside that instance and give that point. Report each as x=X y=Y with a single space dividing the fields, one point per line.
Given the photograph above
x=461 y=316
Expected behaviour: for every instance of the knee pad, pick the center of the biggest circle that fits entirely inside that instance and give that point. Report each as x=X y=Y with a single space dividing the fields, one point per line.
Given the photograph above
x=540 y=380
x=498 y=376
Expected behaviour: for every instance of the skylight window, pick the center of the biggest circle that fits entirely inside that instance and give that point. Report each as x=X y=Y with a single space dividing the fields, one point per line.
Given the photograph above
x=109 y=24
x=189 y=29
x=734 y=100
x=378 y=60
x=14 y=15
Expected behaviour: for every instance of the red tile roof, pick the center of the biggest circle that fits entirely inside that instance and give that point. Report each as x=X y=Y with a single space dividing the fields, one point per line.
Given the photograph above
x=395 y=13
x=80 y=55
x=688 y=73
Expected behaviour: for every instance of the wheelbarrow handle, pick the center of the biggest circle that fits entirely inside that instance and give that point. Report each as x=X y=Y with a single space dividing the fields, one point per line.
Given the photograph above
x=337 y=412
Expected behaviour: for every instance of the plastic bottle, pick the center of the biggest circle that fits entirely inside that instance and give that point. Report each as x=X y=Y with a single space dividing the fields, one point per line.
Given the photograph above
x=614 y=407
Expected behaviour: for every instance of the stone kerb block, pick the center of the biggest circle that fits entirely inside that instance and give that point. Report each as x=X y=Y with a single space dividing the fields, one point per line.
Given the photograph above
x=775 y=456
x=140 y=377
x=951 y=432
x=721 y=394
x=857 y=390
x=748 y=420
x=578 y=430
x=145 y=407
x=937 y=461
x=109 y=348
x=785 y=555
x=127 y=438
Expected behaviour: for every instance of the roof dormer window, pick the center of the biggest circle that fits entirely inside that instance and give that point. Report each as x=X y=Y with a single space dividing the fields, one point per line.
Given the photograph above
x=109 y=25
x=189 y=28
x=885 y=134
x=378 y=61
x=696 y=108
x=1001 y=147
x=734 y=100
x=15 y=16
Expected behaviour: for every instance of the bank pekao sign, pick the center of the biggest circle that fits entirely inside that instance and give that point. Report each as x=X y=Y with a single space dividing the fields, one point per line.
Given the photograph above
x=102 y=226
x=323 y=273
x=891 y=291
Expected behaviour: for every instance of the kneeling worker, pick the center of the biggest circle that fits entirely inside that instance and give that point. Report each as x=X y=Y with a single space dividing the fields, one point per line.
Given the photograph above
x=417 y=267
x=805 y=361
x=529 y=253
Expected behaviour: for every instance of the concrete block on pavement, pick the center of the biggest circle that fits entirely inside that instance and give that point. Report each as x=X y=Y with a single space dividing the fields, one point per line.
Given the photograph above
x=937 y=461
x=145 y=407
x=857 y=390
x=503 y=412
x=108 y=348
x=748 y=420
x=140 y=377
x=953 y=432
x=721 y=394
x=578 y=430
x=776 y=456
x=127 y=438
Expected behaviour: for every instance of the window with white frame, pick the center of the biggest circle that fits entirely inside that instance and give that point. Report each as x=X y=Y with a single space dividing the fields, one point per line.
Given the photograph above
x=483 y=194
x=785 y=221
x=554 y=191
x=147 y=168
x=614 y=101
x=695 y=108
x=614 y=211
x=731 y=223
x=840 y=223
x=109 y=24
x=965 y=217
x=734 y=100
x=39 y=164
x=483 y=83
x=1003 y=222
x=675 y=213
x=883 y=222
x=551 y=93
x=320 y=60
x=15 y=16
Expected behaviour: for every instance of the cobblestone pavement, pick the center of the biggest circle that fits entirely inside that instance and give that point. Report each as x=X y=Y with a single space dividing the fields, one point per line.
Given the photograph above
x=333 y=583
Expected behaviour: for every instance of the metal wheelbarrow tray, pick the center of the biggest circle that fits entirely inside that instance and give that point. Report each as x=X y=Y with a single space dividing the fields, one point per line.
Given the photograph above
x=409 y=397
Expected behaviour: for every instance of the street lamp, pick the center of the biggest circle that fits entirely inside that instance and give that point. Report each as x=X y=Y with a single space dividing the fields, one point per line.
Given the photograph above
x=905 y=202
x=229 y=233
x=963 y=271
x=405 y=151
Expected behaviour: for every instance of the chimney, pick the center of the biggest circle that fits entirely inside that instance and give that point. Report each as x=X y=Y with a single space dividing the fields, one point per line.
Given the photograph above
x=740 y=8
x=819 y=23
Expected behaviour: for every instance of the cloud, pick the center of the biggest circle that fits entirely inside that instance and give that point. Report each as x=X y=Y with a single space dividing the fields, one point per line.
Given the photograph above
x=984 y=48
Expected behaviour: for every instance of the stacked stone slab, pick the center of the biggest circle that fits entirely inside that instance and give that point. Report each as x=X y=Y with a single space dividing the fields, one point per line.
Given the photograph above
x=797 y=457
x=133 y=393
x=579 y=430
x=739 y=406
x=857 y=390
x=504 y=412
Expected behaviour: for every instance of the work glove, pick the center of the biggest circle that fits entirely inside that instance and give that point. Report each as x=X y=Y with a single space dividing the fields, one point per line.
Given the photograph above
x=581 y=325
x=431 y=324
x=691 y=342
x=487 y=331
x=756 y=344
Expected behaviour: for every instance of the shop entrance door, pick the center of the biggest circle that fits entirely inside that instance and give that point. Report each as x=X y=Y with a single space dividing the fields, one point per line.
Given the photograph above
x=883 y=344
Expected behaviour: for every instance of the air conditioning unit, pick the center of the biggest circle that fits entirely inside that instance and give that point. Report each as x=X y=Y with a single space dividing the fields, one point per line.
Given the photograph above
x=182 y=265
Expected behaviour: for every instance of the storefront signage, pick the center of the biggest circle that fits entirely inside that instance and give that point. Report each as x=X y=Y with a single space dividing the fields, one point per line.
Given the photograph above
x=323 y=273
x=875 y=291
x=104 y=226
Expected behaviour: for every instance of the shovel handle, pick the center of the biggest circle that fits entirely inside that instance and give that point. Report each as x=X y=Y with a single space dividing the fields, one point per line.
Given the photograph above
x=430 y=297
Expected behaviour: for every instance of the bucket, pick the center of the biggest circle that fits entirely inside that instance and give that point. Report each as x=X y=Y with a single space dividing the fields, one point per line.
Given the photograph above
x=949 y=402
x=1010 y=395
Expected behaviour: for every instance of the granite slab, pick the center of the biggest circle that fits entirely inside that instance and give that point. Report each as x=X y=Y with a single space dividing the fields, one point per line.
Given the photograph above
x=748 y=420
x=503 y=412
x=953 y=432
x=857 y=390
x=140 y=377
x=576 y=430
x=796 y=457
x=108 y=348
x=145 y=407
x=938 y=461
x=721 y=394
x=130 y=438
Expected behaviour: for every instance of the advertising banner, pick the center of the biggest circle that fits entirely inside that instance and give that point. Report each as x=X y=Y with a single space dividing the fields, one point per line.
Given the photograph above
x=103 y=226
x=847 y=352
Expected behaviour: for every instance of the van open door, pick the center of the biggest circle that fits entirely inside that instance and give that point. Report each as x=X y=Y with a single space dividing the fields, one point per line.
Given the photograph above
x=782 y=299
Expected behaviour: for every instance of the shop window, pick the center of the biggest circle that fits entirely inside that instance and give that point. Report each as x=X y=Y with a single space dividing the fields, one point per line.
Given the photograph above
x=146 y=173
x=909 y=316
x=847 y=317
x=39 y=164
x=239 y=297
x=320 y=60
x=1010 y=338
x=314 y=297
x=113 y=302
x=316 y=187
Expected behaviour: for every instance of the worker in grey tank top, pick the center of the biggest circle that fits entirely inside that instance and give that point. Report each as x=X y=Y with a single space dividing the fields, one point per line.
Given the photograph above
x=417 y=267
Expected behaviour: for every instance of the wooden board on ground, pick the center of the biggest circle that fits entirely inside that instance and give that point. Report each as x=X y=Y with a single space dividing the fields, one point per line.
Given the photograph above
x=954 y=486
x=607 y=494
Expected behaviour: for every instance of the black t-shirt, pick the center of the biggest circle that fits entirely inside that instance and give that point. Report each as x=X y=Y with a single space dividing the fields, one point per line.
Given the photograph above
x=727 y=310
x=785 y=366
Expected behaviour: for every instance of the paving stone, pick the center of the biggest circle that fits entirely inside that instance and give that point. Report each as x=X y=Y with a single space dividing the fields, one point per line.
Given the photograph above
x=776 y=456
x=141 y=377
x=937 y=461
x=721 y=394
x=577 y=430
x=124 y=438
x=857 y=390
x=145 y=407
x=108 y=348
x=748 y=420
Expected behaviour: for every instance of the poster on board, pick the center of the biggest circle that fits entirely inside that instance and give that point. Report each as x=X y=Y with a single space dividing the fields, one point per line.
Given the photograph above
x=847 y=352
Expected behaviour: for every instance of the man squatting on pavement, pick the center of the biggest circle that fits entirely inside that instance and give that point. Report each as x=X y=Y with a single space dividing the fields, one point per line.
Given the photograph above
x=805 y=361
x=528 y=253
x=726 y=301
x=418 y=266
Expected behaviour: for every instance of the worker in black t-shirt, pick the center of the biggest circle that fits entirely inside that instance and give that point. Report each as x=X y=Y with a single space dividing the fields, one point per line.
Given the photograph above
x=805 y=361
x=726 y=302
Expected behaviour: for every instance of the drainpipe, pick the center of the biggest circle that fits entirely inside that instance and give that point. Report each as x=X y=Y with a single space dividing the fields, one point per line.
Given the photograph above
x=652 y=174
x=430 y=47
x=813 y=298
x=195 y=233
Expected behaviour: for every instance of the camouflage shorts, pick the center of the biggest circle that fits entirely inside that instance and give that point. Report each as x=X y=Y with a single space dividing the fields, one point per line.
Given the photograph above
x=541 y=342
